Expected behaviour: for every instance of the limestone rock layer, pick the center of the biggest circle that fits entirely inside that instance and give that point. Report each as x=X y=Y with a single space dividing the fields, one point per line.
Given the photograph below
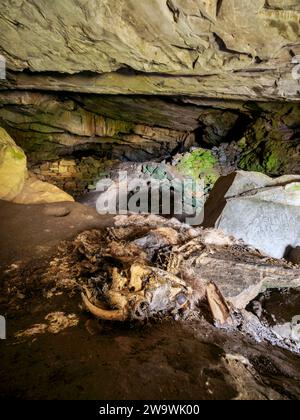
x=207 y=48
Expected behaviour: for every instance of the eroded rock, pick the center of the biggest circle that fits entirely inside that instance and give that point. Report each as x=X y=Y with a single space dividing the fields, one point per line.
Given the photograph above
x=261 y=211
x=131 y=46
x=271 y=143
x=17 y=184
x=35 y=191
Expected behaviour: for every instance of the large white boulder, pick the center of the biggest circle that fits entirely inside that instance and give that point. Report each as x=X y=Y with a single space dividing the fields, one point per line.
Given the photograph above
x=263 y=212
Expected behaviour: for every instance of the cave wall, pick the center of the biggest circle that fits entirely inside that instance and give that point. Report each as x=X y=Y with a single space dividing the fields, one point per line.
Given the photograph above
x=79 y=127
x=272 y=142
x=72 y=140
x=49 y=126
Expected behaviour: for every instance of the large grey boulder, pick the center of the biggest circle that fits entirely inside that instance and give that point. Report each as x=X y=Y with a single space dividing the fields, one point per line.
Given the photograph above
x=263 y=212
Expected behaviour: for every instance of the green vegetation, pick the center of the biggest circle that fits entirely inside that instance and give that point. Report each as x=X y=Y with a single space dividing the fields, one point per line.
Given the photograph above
x=294 y=187
x=200 y=164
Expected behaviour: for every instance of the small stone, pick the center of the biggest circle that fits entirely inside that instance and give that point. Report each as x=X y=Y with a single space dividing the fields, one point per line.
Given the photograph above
x=57 y=211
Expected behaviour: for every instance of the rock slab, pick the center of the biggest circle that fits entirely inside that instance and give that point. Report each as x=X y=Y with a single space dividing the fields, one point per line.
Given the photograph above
x=263 y=212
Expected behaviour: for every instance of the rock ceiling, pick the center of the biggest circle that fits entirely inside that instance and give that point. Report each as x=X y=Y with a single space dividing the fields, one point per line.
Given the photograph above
x=227 y=49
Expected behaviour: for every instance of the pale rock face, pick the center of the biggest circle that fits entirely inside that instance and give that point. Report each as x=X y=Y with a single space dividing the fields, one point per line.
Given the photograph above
x=263 y=212
x=13 y=169
x=245 y=47
x=39 y=192
x=19 y=186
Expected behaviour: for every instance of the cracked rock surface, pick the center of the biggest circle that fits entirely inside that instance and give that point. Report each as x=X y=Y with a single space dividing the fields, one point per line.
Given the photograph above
x=211 y=48
x=262 y=211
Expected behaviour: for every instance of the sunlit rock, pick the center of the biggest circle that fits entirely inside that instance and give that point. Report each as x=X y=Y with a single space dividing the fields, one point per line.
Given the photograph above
x=13 y=167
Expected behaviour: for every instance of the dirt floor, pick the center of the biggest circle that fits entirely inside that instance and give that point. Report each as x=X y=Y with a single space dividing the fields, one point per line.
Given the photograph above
x=31 y=232
x=55 y=350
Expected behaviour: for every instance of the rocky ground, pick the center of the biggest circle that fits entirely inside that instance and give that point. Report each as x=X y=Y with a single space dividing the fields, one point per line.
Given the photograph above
x=55 y=349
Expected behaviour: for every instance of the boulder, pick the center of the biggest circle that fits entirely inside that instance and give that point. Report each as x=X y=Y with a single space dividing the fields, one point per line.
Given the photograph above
x=263 y=212
x=39 y=192
x=13 y=168
x=241 y=274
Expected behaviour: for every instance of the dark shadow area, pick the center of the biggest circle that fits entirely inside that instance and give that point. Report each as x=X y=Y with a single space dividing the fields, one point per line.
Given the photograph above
x=216 y=202
x=292 y=254
x=238 y=131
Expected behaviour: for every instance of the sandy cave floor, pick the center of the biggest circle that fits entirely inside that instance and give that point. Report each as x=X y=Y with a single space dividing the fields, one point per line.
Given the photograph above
x=70 y=355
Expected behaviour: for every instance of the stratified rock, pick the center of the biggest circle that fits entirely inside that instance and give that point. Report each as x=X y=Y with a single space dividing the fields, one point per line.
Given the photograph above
x=226 y=49
x=13 y=168
x=47 y=125
x=39 y=192
x=263 y=212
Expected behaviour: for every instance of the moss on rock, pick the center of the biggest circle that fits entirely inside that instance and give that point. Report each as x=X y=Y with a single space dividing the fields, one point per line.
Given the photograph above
x=271 y=145
x=13 y=167
x=200 y=164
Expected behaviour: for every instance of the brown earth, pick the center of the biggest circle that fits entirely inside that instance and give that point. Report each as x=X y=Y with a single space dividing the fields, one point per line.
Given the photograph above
x=97 y=360
x=33 y=231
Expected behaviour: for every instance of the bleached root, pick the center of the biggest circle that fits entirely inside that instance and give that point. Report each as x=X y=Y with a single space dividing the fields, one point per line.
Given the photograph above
x=101 y=313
